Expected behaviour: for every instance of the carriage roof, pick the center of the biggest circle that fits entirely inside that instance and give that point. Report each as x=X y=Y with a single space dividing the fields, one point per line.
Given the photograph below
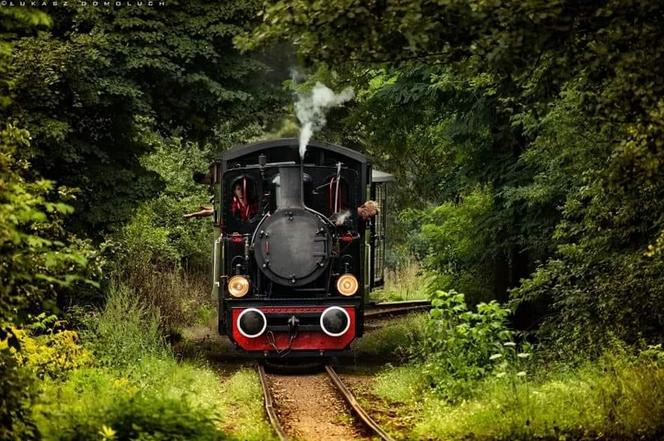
x=247 y=149
x=260 y=146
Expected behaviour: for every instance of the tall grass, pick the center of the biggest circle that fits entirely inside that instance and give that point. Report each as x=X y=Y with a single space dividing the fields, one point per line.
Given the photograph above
x=392 y=342
x=179 y=295
x=404 y=282
x=158 y=399
x=618 y=397
x=126 y=330
x=137 y=390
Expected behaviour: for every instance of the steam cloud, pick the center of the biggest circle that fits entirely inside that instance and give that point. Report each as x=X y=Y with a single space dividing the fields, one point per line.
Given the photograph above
x=311 y=110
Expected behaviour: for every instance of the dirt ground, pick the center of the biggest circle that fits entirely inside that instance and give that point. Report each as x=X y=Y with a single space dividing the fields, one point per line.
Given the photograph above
x=310 y=409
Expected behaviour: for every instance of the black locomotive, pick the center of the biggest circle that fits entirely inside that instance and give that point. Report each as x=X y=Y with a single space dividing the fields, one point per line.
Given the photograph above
x=293 y=261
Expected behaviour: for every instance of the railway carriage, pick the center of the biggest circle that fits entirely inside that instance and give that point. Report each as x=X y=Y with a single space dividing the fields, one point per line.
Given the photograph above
x=293 y=262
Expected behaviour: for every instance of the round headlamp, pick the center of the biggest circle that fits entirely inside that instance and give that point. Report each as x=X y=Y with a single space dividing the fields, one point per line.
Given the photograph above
x=238 y=286
x=347 y=285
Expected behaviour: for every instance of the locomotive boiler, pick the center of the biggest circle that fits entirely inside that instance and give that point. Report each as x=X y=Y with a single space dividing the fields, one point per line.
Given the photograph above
x=293 y=261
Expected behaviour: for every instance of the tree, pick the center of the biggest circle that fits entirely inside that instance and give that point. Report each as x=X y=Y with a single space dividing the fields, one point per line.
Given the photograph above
x=90 y=88
x=572 y=94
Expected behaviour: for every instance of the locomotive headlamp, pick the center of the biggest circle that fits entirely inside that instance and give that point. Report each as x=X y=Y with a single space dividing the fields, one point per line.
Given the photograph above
x=238 y=286
x=335 y=321
x=347 y=285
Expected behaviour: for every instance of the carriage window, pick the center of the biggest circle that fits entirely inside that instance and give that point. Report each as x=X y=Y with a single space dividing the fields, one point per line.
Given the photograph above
x=243 y=199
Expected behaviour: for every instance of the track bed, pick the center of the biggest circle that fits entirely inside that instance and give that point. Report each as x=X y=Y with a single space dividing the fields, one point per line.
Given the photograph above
x=316 y=407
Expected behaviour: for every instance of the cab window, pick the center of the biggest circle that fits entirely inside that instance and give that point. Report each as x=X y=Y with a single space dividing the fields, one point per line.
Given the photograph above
x=243 y=202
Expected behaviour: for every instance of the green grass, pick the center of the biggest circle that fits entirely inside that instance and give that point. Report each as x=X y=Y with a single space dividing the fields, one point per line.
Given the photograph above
x=408 y=282
x=157 y=399
x=135 y=389
x=611 y=399
x=242 y=404
x=392 y=340
x=125 y=330
x=164 y=398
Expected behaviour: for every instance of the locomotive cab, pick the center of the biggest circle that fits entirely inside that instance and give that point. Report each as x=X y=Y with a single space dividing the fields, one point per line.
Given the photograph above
x=293 y=260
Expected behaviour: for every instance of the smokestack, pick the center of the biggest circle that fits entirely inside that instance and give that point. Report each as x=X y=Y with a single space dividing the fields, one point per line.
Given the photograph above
x=290 y=187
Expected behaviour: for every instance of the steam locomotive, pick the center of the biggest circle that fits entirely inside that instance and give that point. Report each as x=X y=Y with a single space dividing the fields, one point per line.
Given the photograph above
x=293 y=262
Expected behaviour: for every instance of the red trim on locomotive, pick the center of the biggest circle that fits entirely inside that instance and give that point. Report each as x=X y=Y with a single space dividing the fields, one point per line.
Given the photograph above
x=304 y=341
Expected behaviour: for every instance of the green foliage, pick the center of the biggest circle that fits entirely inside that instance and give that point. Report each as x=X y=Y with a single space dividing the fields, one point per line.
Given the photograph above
x=158 y=399
x=17 y=394
x=159 y=420
x=53 y=354
x=451 y=242
x=92 y=86
x=458 y=344
x=156 y=233
x=38 y=261
x=14 y=21
x=125 y=330
x=556 y=108
x=393 y=341
x=36 y=254
x=618 y=396
x=161 y=256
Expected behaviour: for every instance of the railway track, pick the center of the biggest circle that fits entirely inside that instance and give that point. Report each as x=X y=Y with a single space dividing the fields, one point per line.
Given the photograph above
x=372 y=311
x=386 y=309
x=268 y=401
x=362 y=416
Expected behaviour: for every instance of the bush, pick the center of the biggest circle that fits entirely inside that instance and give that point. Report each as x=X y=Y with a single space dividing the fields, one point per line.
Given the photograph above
x=163 y=258
x=125 y=331
x=457 y=345
x=453 y=242
x=17 y=393
x=618 y=397
x=147 y=418
x=53 y=354
x=38 y=262
x=158 y=399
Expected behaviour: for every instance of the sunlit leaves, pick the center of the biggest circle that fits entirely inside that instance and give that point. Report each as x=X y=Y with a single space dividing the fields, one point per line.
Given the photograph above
x=99 y=77
x=34 y=255
x=459 y=345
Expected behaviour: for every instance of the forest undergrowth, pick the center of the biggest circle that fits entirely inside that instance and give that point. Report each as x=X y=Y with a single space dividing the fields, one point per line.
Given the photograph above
x=527 y=144
x=459 y=374
x=118 y=380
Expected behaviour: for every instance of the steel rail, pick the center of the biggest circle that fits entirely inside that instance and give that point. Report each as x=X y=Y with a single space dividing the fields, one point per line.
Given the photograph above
x=422 y=302
x=355 y=406
x=395 y=308
x=269 y=406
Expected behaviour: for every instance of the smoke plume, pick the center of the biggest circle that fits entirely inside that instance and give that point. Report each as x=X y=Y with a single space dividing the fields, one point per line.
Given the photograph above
x=311 y=109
